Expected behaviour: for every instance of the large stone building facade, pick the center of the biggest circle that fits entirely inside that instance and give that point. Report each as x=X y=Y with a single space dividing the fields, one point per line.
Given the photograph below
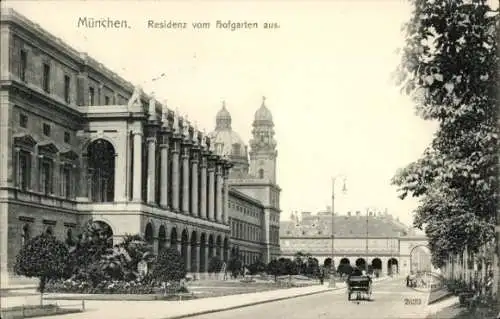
x=361 y=239
x=80 y=144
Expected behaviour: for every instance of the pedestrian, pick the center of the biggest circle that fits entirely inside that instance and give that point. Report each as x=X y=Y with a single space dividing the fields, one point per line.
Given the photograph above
x=407 y=280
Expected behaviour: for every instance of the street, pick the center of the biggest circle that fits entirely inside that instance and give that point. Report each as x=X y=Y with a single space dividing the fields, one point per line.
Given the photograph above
x=388 y=301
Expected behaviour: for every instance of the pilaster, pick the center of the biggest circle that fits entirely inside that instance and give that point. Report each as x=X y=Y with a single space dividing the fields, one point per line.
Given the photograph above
x=137 y=170
x=218 y=192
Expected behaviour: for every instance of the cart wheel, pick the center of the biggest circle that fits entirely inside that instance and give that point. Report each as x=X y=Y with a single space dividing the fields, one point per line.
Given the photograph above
x=349 y=296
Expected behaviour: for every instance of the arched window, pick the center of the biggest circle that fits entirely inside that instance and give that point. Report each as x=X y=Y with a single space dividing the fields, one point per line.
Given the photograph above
x=101 y=155
x=261 y=173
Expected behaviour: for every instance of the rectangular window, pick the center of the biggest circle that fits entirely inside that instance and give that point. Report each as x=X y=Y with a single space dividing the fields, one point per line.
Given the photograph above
x=107 y=100
x=23 y=63
x=46 y=177
x=46 y=78
x=67 y=87
x=66 y=182
x=91 y=96
x=23 y=120
x=67 y=137
x=24 y=170
x=46 y=129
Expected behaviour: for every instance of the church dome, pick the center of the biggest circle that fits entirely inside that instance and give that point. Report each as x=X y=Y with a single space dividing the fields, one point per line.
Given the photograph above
x=225 y=140
x=263 y=114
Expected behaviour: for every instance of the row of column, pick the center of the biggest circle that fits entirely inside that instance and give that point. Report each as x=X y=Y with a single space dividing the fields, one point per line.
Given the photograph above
x=212 y=193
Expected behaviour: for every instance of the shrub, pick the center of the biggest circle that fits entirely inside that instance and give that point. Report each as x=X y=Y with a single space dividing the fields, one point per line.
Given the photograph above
x=234 y=266
x=257 y=267
x=169 y=266
x=43 y=257
x=215 y=264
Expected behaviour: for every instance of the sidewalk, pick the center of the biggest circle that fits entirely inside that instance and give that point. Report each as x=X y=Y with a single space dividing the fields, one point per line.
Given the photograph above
x=438 y=306
x=182 y=309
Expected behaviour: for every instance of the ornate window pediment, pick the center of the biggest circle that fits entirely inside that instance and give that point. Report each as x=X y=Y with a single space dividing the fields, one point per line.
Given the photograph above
x=25 y=140
x=48 y=148
x=69 y=155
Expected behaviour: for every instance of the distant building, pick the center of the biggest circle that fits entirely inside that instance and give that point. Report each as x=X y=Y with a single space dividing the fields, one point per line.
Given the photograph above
x=254 y=195
x=375 y=239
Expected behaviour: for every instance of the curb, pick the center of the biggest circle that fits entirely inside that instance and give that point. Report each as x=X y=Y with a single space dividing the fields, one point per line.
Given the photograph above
x=250 y=304
x=442 y=298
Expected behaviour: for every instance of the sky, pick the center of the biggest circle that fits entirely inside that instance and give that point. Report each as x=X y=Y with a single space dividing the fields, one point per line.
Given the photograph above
x=325 y=73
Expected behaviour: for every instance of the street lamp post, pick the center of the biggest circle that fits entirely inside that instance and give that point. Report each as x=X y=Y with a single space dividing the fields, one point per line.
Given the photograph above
x=332 y=265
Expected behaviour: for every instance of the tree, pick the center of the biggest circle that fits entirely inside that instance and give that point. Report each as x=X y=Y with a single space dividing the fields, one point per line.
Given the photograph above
x=449 y=69
x=43 y=257
x=215 y=264
x=257 y=267
x=169 y=266
x=274 y=268
x=121 y=262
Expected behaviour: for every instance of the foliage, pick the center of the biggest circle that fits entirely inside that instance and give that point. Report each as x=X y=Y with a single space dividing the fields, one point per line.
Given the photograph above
x=215 y=264
x=43 y=257
x=311 y=267
x=121 y=261
x=327 y=263
x=257 y=267
x=234 y=266
x=102 y=287
x=94 y=243
x=274 y=268
x=169 y=266
x=344 y=269
x=449 y=69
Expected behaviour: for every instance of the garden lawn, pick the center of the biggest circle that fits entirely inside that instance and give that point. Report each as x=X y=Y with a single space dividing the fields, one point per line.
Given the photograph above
x=225 y=288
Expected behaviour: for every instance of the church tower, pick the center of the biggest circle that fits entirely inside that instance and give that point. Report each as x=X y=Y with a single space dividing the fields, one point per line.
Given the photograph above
x=263 y=151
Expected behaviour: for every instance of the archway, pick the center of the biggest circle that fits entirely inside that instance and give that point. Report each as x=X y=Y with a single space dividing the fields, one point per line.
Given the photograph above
x=101 y=171
x=211 y=246
x=184 y=247
x=162 y=238
x=234 y=253
x=49 y=231
x=226 y=249
x=203 y=256
x=173 y=238
x=361 y=263
x=328 y=262
x=148 y=234
x=392 y=266
x=194 y=256
x=420 y=259
x=345 y=261
x=218 y=247
x=377 y=265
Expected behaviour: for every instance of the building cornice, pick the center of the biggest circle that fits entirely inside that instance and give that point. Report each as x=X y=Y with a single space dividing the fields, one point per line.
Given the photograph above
x=31 y=91
x=242 y=196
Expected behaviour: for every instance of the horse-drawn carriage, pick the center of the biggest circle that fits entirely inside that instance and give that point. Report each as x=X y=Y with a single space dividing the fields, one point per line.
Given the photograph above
x=359 y=285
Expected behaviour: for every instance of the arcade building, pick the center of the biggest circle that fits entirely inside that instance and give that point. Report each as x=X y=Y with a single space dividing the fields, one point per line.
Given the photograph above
x=372 y=238
x=80 y=145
